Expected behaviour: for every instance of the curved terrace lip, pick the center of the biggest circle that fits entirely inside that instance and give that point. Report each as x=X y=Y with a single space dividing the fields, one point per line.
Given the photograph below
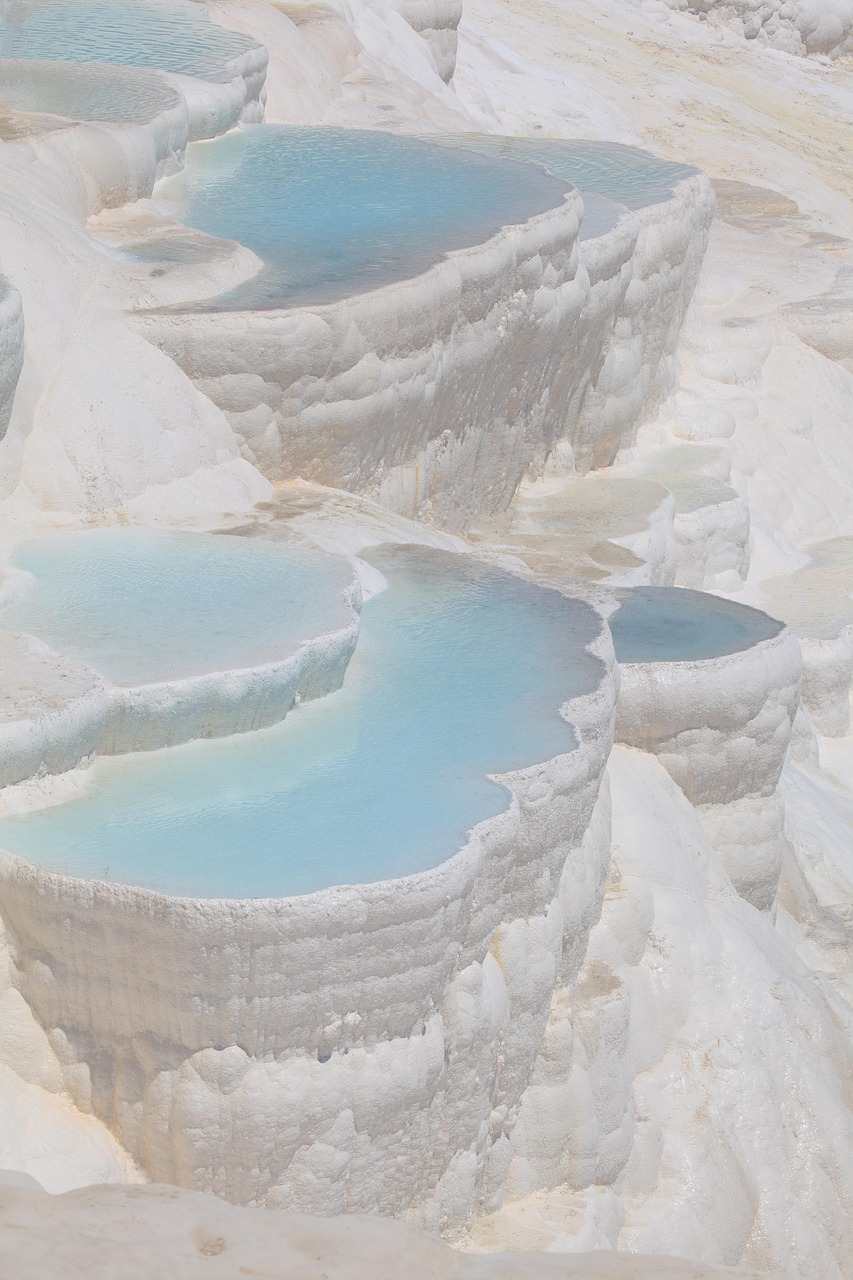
x=248 y=297
x=353 y=890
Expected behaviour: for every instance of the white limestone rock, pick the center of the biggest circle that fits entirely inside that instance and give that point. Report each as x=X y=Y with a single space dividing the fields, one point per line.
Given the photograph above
x=52 y=710
x=795 y=26
x=827 y=676
x=709 y=1066
x=11 y=348
x=639 y=368
x=436 y=21
x=384 y=392
x=143 y=437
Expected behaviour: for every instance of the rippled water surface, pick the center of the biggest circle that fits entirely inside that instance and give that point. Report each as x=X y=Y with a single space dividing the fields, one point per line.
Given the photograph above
x=339 y=210
x=87 y=92
x=627 y=175
x=459 y=673
x=172 y=35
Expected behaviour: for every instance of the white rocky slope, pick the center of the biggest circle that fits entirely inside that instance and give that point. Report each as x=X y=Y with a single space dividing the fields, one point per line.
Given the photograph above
x=795 y=26
x=103 y=1233
x=766 y=403
x=693 y=1092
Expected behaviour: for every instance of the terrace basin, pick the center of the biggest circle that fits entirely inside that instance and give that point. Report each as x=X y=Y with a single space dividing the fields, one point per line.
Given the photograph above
x=336 y=211
x=192 y=635
x=460 y=673
x=144 y=605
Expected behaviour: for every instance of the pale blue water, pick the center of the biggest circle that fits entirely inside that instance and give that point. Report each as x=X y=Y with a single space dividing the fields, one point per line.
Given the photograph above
x=673 y=624
x=339 y=210
x=610 y=173
x=459 y=672
x=90 y=92
x=142 y=605
x=626 y=175
x=171 y=35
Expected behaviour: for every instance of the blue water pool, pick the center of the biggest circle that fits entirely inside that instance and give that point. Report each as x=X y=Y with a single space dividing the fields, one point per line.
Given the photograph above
x=171 y=35
x=112 y=94
x=141 y=605
x=340 y=210
x=673 y=624
x=459 y=673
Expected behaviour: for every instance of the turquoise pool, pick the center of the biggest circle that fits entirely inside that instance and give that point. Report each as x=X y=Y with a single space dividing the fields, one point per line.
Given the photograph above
x=332 y=211
x=673 y=624
x=459 y=673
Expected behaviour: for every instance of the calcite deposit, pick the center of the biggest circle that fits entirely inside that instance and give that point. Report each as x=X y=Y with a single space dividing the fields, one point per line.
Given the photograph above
x=611 y=1028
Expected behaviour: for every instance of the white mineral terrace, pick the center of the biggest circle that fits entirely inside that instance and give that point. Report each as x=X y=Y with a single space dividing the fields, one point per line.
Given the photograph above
x=426 y=781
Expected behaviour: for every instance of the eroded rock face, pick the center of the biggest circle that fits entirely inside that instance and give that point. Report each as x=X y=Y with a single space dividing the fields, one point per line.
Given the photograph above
x=721 y=727
x=637 y=368
x=796 y=26
x=436 y=21
x=11 y=348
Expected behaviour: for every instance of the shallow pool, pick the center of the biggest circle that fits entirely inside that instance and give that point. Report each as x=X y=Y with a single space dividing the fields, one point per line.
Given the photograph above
x=459 y=673
x=340 y=210
x=691 y=493
x=142 y=605
x=172 y=35
x=673 y=624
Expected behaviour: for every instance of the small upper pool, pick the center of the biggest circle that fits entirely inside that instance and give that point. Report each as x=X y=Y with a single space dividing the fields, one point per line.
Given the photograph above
x=171 y=35
x=117 y=95
x=673 y=624
x=142 y=606
x=459 y=673
x=335 y=211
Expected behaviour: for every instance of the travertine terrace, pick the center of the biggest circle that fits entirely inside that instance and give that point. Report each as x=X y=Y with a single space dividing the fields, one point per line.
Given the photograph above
x=612 y=1018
